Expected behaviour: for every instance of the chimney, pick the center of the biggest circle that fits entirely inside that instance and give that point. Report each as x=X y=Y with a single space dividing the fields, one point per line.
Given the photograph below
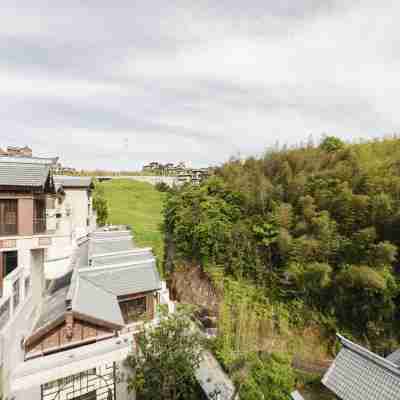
x=69 y=322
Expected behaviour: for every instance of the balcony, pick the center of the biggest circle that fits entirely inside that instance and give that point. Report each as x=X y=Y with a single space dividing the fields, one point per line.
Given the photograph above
x=39 y=225
x=8 y=217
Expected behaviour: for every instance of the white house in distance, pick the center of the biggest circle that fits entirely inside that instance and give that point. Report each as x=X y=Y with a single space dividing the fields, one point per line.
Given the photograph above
x=72 y=296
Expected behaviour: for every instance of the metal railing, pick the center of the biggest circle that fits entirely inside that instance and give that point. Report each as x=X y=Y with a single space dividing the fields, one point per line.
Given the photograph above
x=8 y=229
x=39 y=225
x=19 y=291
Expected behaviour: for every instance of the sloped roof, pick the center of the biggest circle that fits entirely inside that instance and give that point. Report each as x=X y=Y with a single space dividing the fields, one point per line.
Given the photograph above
x=30 y=160
x=95 y=302
x=359 y=374
x=91 y=291
x=110 y=234
x=394 y=357
x=54 y=304
x=67 y=181
x=122 y=257
x=110 y=246
x=23 y=174
x=126 y=279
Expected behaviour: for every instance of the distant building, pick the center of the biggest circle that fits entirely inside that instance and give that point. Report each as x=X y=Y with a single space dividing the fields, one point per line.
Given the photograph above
x=59 y=169
x=19 y=151
x=181 y=171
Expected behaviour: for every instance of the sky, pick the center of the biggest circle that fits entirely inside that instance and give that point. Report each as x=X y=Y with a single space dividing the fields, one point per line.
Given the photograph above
x=116 y=84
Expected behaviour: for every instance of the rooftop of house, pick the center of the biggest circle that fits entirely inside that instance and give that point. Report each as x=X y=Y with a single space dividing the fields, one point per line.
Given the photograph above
x=4 y=157
x=92 y=291
x=67 y=182
x=21 y=173
x=112 y=245
x=357 y=373
x=122 y=257
x=394 y=357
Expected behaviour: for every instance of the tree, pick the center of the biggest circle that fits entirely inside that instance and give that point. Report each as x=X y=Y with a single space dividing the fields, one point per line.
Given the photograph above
x=162 y=187
x=167 y=357
x=331 y=144
x=100 y=204
x=271 y=377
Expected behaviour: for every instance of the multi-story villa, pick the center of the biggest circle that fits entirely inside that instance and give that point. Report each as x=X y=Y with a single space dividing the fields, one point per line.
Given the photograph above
x=72 y=296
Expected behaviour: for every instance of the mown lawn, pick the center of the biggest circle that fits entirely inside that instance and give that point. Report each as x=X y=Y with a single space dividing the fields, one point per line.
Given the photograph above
x=139 y=205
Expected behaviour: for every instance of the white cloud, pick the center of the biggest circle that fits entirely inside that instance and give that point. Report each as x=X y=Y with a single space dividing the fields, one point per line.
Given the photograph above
x=200 y=81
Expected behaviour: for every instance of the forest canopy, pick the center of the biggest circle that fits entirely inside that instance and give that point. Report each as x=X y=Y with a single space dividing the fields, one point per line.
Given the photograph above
x=316 y=223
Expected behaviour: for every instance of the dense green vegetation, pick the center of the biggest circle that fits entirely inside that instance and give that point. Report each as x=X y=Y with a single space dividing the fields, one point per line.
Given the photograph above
x=139 y=205
x=314 y=231
x=165 y=367
x=100 y=204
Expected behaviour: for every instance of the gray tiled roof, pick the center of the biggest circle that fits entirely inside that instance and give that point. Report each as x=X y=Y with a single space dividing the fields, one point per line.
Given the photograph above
x=92 y=291
x=110 y=246
x=67 y=181
x=30 y=160
x=126 y=279
x=358 y=374
x=394 y=357
x=95 y=302
x=23 y=174
x=102 y=234
x=54 y=304
x=122 y=257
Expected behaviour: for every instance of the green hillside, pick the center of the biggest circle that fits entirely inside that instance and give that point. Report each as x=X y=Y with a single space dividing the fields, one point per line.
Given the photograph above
x=139 y=205
x=301 y=243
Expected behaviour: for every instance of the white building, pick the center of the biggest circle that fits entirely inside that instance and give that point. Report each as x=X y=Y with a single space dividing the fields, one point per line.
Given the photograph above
x=72 y=296
x=76 y=345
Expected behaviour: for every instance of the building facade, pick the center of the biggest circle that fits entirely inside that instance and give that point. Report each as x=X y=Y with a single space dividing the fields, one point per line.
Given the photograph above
x=72 y=296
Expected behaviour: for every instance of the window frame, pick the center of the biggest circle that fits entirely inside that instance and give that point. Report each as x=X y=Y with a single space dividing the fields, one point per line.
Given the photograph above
x=8 y=206
x=5 y=255
x=128 y=315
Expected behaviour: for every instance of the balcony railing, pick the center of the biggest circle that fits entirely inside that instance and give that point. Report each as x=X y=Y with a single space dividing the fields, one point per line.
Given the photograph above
x=39 y=225
x=8 y=229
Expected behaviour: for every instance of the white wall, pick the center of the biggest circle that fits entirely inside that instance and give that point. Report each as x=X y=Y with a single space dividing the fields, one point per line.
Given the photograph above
x=75 y=208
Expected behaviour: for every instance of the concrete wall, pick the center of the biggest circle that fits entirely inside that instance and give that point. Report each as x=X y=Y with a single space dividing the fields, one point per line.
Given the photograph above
x=12 y=352
x=75 y=209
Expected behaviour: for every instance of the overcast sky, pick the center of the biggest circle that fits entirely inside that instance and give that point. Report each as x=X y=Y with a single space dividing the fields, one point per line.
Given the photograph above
x=115 y=84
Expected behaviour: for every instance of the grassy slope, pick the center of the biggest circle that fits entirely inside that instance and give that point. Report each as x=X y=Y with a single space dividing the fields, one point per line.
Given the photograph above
x=140 y=205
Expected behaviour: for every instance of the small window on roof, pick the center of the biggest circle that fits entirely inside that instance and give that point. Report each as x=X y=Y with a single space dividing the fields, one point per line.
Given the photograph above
x=134 y=310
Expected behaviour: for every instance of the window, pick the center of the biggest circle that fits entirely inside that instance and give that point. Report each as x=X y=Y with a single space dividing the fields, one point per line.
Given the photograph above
x=8 y=217
x=39 y=216
x=10 y=262
x=95 y=384
x=134 y=310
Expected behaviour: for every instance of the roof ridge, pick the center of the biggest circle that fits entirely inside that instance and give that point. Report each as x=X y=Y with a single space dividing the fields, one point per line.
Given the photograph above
x=365 y=353
x=125 y=265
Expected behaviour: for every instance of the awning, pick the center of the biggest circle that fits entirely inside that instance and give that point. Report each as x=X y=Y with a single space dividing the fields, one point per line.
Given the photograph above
x=45 y=369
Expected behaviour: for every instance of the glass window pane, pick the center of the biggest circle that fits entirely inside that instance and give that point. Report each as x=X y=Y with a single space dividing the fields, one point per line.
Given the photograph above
x=10 y=260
